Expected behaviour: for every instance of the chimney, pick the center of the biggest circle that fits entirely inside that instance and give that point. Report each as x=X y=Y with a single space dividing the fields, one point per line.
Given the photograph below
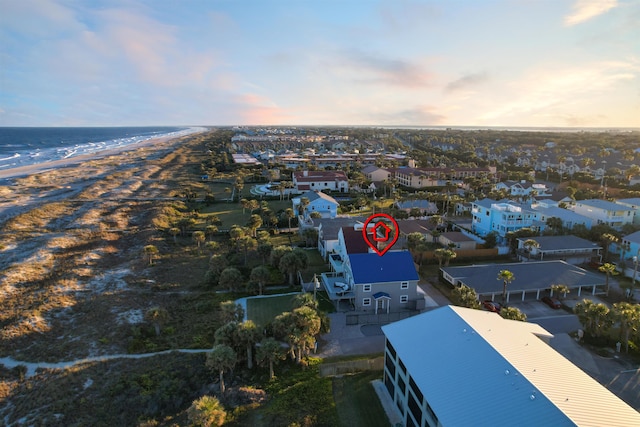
x=305 y=173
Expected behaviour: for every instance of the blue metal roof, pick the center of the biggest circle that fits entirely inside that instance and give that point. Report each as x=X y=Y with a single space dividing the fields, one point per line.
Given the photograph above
x=391 y=267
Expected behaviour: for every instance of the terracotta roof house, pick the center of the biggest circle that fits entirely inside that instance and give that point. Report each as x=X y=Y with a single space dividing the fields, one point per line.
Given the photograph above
x=321 y=180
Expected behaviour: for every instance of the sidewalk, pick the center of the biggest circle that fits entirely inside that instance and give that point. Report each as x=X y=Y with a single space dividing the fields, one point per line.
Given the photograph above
x=345 y=339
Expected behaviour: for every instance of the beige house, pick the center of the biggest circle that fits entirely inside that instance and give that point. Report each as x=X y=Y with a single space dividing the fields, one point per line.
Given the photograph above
x=457 y=240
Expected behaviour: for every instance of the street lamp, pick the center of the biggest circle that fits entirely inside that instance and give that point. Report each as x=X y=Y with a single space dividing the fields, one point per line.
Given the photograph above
x=316 y=285
x=635 y=271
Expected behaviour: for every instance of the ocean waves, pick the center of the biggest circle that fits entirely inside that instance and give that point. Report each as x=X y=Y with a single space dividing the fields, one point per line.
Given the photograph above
x=29 y=146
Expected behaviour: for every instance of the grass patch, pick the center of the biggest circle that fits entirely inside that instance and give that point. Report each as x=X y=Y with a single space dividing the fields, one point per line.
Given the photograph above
x=299 y=396
x=264 y=310
x=356 y=401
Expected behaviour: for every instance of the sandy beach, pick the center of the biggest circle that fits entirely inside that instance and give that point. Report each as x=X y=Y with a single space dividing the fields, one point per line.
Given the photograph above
x=71 y=232
x=154 y=143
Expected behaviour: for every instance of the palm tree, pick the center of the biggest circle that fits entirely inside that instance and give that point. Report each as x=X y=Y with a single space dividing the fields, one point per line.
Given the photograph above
x=158 y=316
x=253 y=205
x=248 y=334
x=629 y=317
x=268 y=353
x=206 y=411
x=230 y=278
x=260 y=275
x=150 y=252
x=507 y=277
x=245 y=205
x=513 y=313
x=607 y=239
x=560 y=290
x=230 y=312
x=198 y=237
x=528 y=245
x=254 y=223
x=448 y=255
x=293 y=262
x=277 y=253
x=174 y=231
x=221 y=358
x=465 y=296
x=609 y=270
x=289 y=214
x=594 y=317
x=211 y=230
x=304 y=202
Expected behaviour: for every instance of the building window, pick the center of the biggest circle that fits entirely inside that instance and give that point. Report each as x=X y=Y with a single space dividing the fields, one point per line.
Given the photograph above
x=390 y=367
x=404 y=298
x=366 y=288
x=366 y=302
x=404 y=285
x=402 y=368
x=391 y=350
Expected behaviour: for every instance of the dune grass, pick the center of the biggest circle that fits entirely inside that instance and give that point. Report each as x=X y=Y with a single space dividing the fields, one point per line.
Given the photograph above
x=357 y=402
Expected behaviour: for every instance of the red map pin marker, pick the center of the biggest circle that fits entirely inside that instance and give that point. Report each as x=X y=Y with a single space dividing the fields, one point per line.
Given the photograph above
x=380 y=232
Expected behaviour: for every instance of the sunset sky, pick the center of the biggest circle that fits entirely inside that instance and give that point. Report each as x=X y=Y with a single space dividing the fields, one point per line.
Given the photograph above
x=298 y=62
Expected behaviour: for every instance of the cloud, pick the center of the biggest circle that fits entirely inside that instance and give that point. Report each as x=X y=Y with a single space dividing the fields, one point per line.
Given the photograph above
x=371 y=69
x=583 y=10
x=466 y=81
x=561 y=91
x=416 y=116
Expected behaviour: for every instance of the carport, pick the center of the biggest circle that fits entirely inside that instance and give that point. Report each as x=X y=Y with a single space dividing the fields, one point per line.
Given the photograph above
x=531 y=279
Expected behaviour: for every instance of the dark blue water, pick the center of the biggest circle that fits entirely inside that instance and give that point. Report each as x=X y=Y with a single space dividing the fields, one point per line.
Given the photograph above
x=25 y=146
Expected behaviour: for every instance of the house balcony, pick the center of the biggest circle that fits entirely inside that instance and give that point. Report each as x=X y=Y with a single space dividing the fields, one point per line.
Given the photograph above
x=337 y=263
x=334 y=285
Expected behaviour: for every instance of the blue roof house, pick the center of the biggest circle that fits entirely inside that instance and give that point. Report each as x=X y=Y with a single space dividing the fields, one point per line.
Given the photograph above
x=382 y=284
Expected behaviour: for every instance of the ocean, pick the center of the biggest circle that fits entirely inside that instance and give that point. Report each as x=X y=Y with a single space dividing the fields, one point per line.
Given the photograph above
x=23 y=146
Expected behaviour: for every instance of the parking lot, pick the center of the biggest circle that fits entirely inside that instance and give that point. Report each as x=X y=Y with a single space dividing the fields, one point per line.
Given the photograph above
x=555 y=321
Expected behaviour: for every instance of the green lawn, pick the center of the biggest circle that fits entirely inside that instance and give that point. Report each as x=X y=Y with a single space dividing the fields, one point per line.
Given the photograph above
x=317 y=265
x=357 y=402
x=231 y=212
x=264 y=310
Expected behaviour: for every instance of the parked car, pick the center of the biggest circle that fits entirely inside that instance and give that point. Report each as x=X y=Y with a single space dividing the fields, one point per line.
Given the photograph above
x=552 y=302
x=492 y=306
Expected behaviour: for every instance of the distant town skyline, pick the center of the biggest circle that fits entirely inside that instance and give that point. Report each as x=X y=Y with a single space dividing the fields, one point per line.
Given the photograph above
x=283 y=62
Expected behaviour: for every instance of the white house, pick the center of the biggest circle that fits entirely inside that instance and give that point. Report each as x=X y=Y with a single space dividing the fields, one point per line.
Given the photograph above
x=632 y=203
x=569 y=218
x=605 y=212
x=328 y=232
x=321 y=180
x=456 y=366
x=523 y=188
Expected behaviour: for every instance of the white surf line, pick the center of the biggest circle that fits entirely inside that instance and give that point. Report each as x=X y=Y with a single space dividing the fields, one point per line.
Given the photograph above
x=11 y=363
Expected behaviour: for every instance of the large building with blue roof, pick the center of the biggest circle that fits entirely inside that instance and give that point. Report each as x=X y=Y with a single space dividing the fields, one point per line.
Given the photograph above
x=457 y=366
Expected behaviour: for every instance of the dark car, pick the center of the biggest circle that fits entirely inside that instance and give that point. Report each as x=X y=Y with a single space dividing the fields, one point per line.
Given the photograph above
x=552 y=302
x=492 y=306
